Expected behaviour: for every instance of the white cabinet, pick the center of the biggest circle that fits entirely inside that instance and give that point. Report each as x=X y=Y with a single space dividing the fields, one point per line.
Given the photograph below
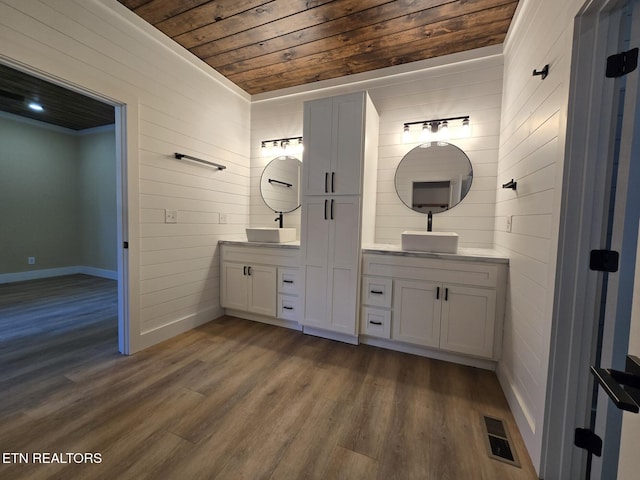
x=445 y=305
x=334 y=145
x=336 y=154
x=260 y=283
x=330 y=254
x=251 y=288
x=450 y=317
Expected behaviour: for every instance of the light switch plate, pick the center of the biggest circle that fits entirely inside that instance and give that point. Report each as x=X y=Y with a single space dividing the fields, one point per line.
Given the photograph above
x=170 y=216
x=223 y=218
x=509 y=222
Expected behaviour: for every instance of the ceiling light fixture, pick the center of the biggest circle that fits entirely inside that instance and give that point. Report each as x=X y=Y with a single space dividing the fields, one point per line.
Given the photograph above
x=36 y=107
x=437 y=129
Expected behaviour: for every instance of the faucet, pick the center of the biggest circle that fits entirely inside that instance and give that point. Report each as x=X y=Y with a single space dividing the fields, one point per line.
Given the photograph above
x=430 y=221
x=279 y=219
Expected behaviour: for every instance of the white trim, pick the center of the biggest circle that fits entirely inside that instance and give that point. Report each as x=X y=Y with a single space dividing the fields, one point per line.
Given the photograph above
x=428 y=353
x=57 y=272
x=277 y=322
x=338 y=337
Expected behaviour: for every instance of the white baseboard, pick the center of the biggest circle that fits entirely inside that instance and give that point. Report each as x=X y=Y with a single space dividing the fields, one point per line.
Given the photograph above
x=57 y=272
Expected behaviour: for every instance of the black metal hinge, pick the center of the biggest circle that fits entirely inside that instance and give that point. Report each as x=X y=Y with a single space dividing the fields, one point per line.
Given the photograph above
x=604 y=260
x=125 y=245
x=622 y=63
x=588 y=441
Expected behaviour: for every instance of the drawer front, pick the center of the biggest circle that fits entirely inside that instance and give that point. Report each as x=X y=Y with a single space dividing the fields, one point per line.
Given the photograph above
x=289 y=281
x=375 y=322
x=289 y=308
x=376 y=291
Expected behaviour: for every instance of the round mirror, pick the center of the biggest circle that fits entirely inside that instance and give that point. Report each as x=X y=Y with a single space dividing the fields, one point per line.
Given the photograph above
x=280 y=184
x=433 y=177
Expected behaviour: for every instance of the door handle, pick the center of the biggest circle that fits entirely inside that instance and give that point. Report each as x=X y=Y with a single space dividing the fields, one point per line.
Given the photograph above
x=614 y=381
x=437 y=293
x=446 y=294
x=332 y=209
x=375 y=323
x=333 y=175
x=244 y=270
x=287 y=308
x=325 y=208
x=326 y=181
x=249 y=270
x=376 y=292
x=287 y=281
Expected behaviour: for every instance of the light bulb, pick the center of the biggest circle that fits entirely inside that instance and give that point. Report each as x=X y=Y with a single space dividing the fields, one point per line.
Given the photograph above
x=406 y=134
x=466 y=128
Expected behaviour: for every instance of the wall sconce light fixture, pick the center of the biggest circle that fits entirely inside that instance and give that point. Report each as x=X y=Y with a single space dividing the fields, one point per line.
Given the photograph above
x=282 y=146
x=437 y=129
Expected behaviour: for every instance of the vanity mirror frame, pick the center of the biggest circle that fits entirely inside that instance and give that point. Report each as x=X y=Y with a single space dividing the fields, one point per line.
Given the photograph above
x=289 y=181
x=415 y=177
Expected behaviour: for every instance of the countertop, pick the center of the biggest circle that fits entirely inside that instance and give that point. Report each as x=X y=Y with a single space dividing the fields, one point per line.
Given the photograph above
x=464 y=254
x=247 y=243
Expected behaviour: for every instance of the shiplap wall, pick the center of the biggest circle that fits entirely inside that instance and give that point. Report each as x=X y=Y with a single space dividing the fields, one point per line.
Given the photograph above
x=532 y=152
x=470 y=86
x=174 y=104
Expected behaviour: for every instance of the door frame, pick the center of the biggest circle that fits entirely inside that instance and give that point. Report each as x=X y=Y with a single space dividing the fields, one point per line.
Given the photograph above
x=127 y=340
x=584 y=213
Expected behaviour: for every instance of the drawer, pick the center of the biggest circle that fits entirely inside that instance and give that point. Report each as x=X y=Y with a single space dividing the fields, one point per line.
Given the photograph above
x=376 y=291
x=375 y=322
x=289 y=281
x=289 y=308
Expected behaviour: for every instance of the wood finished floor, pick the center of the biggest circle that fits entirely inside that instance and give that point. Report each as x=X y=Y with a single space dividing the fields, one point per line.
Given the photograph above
x=233 y=399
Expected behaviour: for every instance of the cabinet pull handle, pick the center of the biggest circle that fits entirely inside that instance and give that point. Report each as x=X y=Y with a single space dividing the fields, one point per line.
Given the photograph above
x=287 y=308
x=326 y=180
x=249 y=270
x=375 y=323
x=325 y=208
x=287 y=281
x=332 y=209
x=437 y=293
x=244 y=270
x=333 y=175
x=446 y=294
x=377 y=292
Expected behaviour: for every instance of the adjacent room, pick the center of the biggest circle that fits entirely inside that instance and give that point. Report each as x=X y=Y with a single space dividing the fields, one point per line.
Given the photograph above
x=325 y=240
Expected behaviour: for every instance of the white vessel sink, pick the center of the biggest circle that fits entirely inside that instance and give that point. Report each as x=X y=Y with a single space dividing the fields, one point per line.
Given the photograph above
x=436 y=242
x=271 y=234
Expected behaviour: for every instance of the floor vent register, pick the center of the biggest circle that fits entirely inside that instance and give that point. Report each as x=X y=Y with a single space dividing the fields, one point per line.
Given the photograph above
x=499 y=441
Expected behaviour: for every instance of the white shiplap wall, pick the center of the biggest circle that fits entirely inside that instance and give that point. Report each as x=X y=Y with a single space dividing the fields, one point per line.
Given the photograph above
x=532 y=152
x=175 y=103
x=452 y=86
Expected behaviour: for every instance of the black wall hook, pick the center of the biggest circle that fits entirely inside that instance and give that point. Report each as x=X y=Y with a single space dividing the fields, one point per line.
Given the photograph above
x=512 y=185
x=543 y=73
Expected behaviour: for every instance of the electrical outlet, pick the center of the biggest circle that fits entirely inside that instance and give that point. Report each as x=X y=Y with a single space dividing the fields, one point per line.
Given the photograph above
x=170 y=216
x=223 y=218
x=31 y=260
x=509 y=222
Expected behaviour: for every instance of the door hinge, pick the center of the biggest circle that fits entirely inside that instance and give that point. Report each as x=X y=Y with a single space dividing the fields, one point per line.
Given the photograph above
x=604 y=260
x=587 y=440
x=125 y=244
x=622 y=63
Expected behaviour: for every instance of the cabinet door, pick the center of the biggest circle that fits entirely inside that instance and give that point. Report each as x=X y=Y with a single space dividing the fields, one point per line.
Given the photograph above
x=234 y=286
x=314 y=241
x=416 y=308
x=468 y=319
x=317 y=132
x=344 y=215
x=262 y=290
x=348 y=144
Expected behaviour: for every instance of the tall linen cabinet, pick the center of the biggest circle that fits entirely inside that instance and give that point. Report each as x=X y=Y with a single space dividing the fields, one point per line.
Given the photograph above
x=339 y=174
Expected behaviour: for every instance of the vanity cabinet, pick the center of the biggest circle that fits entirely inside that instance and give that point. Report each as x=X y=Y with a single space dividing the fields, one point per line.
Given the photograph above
x=339 y=147
x=251 y=288
x=448 y=305
x=260 y=282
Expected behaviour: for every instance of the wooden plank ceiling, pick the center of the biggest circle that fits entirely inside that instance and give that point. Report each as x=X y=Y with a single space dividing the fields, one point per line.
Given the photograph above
x=61 y=107
x=263 y=46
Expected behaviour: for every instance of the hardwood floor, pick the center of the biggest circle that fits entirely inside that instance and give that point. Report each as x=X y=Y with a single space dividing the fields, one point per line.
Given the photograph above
x=235 y=399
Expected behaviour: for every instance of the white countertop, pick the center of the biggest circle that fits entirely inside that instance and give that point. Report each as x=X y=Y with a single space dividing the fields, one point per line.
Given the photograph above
x=466 y=254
